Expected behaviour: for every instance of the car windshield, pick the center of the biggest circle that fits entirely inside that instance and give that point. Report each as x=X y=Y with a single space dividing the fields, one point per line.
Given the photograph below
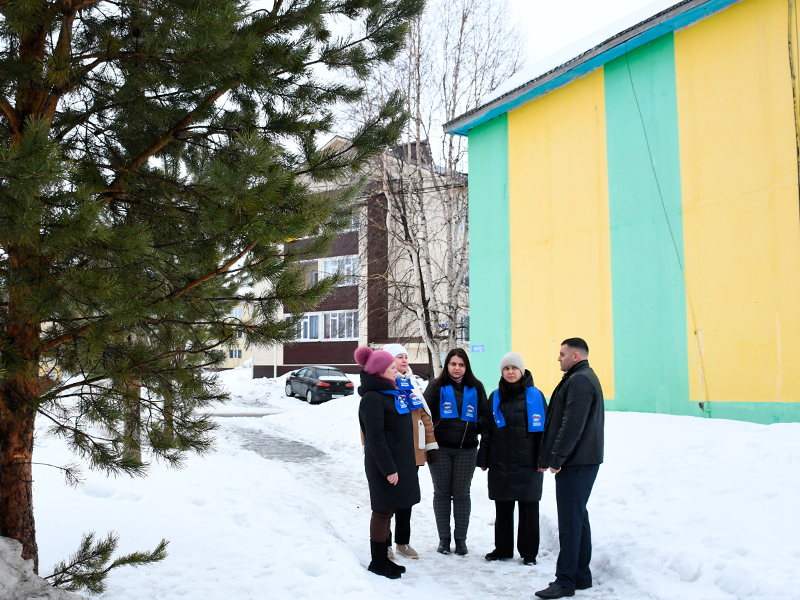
x=330 y=372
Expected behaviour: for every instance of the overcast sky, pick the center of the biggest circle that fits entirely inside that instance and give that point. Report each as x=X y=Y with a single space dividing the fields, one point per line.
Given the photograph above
x=552 y=24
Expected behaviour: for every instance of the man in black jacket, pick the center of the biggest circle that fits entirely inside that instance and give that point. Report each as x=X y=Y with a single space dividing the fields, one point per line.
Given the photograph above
x=572 y=448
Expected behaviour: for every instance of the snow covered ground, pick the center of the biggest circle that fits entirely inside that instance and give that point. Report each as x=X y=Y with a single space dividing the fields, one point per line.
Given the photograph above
x=682 y=508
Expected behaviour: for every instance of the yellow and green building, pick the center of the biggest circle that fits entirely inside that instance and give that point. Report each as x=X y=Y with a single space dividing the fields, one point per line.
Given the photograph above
x=644 y=195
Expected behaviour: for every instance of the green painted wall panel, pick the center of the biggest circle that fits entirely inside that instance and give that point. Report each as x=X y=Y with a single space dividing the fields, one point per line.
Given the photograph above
x=756 y=412
x=489 y=248
x=645 y=214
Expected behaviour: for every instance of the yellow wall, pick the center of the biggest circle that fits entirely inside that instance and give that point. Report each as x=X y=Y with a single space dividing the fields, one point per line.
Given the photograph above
x=560 y=252
x=741 y=218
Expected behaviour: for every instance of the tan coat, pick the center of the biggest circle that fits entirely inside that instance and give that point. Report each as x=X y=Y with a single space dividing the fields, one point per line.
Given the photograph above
x=423 y=427
x=424 y=439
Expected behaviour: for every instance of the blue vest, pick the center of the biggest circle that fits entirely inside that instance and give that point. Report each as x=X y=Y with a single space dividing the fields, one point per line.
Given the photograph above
x=400 y=403
x=407 y=389
x=534 y=400
x=448 y=407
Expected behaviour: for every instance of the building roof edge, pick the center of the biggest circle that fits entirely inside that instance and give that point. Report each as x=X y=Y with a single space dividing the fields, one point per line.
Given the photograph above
x=681 y=14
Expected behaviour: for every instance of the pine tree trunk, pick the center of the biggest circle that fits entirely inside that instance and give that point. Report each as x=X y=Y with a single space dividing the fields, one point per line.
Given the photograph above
x=133 y=423
x=16 y=477
x=169 y=424
x=19 y=393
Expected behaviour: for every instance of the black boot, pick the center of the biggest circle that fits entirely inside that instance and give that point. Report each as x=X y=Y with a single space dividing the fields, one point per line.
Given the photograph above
x=392 y=564
x=461 y=547
x=444 y=546
x=380 y=564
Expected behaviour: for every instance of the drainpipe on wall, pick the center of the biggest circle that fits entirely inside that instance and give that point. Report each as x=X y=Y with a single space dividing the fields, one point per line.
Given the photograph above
x=706 y=408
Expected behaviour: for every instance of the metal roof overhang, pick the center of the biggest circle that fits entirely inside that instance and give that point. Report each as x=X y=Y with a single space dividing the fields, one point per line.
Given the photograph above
x=680 y=15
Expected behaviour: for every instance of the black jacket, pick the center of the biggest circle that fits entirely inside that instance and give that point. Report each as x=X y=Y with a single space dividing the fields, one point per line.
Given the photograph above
x=388 y=447
x=573 y=428
x=454 y=433
x=511 y=453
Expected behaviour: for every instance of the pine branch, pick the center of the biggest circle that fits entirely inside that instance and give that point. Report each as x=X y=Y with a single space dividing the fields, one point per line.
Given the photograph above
x=12 y=116
x=213 y=274
x=88 y=568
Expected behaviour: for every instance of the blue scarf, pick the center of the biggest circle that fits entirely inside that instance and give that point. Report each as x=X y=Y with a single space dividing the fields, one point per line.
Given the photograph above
x=407 y=389
x=448 y=407
x=399 y=401
x=534 y=399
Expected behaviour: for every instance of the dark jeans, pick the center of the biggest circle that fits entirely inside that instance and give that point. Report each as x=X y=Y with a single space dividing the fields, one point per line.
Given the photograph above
x=527 y=530
x=573 y=487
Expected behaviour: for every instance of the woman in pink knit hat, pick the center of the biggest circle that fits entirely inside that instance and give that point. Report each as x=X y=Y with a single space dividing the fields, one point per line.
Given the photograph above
x=389 y=459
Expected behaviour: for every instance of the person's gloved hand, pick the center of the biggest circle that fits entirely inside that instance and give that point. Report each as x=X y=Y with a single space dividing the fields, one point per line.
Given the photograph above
x=430 y=456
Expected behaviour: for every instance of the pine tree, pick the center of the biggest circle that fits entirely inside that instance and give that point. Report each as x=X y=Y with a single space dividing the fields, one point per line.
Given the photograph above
x=154 y=156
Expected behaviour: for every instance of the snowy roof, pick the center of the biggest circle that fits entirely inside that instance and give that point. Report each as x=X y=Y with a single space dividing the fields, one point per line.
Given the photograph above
x=584 y=56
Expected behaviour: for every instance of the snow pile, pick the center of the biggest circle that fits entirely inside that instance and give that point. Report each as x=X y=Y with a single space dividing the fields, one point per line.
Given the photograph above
x=19 y=582
x=683 y=508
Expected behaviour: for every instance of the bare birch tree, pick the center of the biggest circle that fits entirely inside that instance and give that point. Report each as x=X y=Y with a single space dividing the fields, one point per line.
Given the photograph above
x=457 y=52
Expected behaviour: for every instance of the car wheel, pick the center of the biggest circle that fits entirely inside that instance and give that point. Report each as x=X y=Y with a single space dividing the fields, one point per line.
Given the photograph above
x=309 y=397
x=289 y=392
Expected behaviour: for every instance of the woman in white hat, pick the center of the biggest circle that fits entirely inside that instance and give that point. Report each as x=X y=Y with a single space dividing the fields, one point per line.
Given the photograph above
x=424 y=440
x=511 y=434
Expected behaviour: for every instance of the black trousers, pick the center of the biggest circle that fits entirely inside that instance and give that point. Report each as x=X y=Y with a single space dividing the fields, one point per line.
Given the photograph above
x=402 y=524
x=573 y=487
x=527 y=529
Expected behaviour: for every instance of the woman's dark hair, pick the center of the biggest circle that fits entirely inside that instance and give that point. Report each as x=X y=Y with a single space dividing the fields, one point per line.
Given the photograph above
x=469 y=378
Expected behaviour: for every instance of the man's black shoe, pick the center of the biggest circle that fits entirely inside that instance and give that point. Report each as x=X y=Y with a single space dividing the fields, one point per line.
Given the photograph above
x=494 y=555
x=555 y=591
x=444 y=546
x=529 y=561
x=584 y=586
x=461 y=547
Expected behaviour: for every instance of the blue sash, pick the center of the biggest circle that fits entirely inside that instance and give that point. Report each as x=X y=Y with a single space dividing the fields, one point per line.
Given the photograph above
x=534 y=399
x=407 y=389
x=448 y=407
x=399 y=401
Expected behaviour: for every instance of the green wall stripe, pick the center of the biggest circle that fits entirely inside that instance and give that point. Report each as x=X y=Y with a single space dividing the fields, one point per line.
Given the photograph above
x=756 y=412
x=650 y=349
x=489 y=248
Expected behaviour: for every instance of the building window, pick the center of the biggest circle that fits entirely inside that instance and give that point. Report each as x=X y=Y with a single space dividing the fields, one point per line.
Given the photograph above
x=236 y=313
x=347 y=266
x=334 y=325
x=341 y=325
x=463 y=329
x=308 y=328
x=239 y=334
x=234 y=353
x=354 y=222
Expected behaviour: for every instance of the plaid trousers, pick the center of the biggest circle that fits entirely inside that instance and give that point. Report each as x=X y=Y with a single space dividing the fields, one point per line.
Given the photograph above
x=452 y=476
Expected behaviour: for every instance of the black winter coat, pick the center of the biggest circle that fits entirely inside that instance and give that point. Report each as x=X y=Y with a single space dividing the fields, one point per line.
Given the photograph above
x=573 y=428
x=511 y=453
x=454 y=433
x=388 y=447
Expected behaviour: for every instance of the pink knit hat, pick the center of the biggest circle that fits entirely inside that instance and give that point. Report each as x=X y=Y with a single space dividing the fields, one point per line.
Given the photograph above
x=374 y=362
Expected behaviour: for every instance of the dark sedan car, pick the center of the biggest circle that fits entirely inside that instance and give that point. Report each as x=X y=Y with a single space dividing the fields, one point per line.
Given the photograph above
x=318 y=384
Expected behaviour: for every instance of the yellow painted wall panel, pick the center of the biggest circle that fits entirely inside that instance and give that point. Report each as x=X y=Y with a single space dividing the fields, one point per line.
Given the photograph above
x=741 y=219
x=560 y=248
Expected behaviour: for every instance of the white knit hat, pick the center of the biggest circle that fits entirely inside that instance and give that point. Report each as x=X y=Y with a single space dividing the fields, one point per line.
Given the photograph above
x=512 y=359
x=395 y=349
